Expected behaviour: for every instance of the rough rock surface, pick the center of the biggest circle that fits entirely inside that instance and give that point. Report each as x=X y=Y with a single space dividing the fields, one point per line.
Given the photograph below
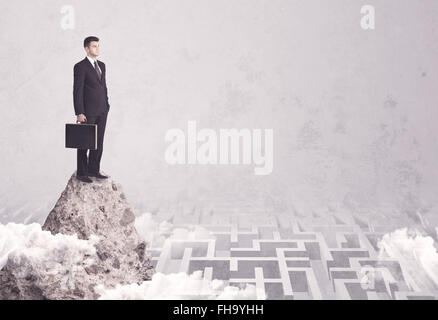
x=97 y=212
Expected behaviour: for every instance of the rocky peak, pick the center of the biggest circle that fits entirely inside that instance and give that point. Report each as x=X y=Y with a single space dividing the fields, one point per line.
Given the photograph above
x=96 y=212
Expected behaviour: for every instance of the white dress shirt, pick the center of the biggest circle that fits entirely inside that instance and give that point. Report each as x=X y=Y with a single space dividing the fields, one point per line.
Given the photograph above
x=92 y=63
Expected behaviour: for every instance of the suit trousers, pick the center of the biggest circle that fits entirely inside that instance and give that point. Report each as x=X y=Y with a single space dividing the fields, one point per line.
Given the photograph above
x=91 y=164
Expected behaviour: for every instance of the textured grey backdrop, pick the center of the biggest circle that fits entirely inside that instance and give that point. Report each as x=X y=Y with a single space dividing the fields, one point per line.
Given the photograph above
x=353 y=111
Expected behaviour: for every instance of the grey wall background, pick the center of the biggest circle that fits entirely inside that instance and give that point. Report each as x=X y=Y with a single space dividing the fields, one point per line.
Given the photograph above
x=353 y=111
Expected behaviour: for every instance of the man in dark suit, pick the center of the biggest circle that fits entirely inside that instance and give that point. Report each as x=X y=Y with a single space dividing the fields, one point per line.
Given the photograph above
x=90 y=98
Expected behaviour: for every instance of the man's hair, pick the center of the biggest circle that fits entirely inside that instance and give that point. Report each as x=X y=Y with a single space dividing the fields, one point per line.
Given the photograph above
x=89 y=39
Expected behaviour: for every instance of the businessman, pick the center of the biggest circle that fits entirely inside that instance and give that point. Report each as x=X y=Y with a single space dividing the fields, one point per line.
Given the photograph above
x=90 y=99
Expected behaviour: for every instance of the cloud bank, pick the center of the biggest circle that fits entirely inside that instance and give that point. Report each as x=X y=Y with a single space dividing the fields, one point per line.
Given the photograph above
x=56 y=252
x=178 y=286
x=417 y=255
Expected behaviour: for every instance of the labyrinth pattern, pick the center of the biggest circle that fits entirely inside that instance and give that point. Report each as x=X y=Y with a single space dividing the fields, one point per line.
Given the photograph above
x=288 y=256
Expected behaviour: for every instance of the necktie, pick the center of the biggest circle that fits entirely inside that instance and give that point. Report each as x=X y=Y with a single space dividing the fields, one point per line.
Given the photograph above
x=97 y=70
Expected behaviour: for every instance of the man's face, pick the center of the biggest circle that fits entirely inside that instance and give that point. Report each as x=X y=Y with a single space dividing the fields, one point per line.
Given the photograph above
x=93 y=49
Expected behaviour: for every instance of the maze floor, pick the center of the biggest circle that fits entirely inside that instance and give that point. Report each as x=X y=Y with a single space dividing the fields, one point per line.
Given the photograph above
x=288 y=256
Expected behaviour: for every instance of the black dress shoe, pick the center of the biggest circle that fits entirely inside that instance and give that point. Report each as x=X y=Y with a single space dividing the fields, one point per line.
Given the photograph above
x=98 y=175
x=84 y=179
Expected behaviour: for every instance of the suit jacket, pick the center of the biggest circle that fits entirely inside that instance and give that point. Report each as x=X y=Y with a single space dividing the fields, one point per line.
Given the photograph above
x=90 y=95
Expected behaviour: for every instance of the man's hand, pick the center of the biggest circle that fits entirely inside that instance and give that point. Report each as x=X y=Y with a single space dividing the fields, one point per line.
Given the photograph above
x=81 y=118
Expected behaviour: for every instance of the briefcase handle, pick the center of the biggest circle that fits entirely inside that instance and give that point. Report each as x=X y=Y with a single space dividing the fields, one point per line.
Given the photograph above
x=80 y=122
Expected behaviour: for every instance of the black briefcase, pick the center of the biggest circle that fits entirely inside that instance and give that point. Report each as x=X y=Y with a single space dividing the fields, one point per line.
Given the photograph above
x=81 y=135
